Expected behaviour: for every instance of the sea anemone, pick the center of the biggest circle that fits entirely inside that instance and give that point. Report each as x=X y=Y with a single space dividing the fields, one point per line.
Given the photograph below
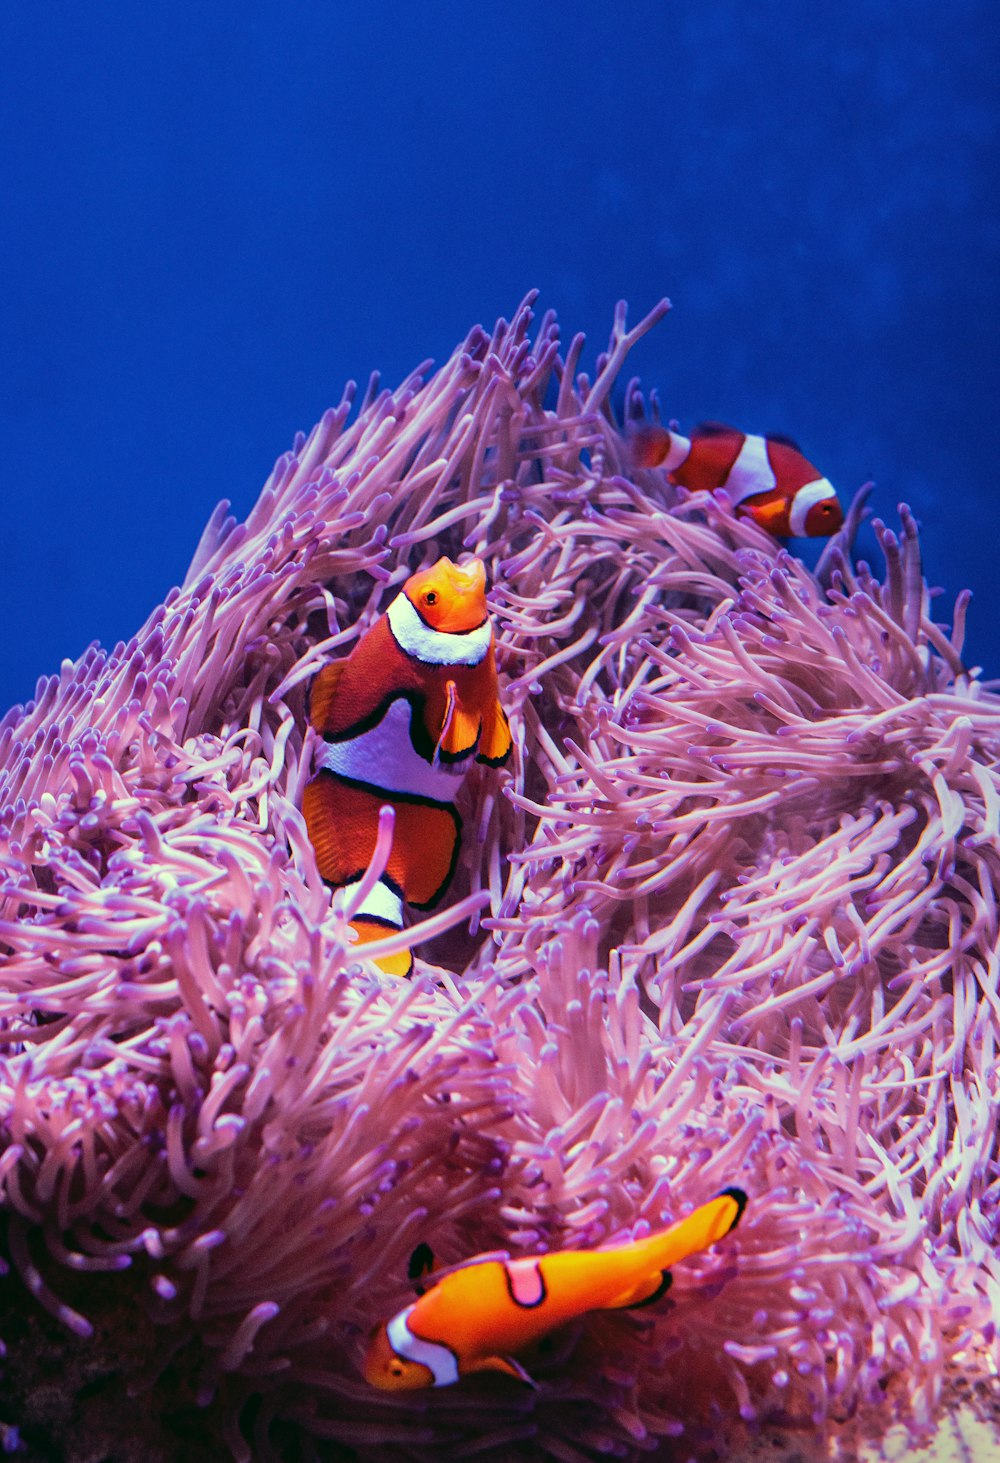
x=731 y=918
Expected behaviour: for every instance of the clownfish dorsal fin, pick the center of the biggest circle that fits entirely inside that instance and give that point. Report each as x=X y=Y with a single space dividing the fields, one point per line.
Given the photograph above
x=324 y=689
x=785 y=441
x=505 y=1364
x=421 y=1265
x=713 y=429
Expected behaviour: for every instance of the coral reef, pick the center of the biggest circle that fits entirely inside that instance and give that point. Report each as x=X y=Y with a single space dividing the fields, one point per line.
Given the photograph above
x=730 y=919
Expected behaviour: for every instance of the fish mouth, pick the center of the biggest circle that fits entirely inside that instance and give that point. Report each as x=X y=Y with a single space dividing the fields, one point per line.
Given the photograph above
x=468 y=585
x=816 y=511
x=470 y=577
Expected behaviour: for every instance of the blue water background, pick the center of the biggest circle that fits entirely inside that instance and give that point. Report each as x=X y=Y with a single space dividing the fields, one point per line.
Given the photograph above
x=213 y=214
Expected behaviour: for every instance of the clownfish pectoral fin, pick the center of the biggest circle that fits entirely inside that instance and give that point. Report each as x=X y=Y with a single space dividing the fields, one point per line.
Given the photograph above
x=505 y=1364
x=324 y=688
x=645 y=1292
x=460 y=730
x=769 y=511
x=661 y=1284
x=494 y=739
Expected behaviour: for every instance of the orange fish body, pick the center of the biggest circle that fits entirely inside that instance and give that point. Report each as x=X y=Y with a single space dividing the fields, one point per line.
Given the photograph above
x=402 y=719
x=479 y=1316
x=767 y=478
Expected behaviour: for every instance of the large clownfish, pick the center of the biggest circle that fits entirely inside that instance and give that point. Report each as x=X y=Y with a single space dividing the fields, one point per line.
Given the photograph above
x=402 y=718
x=476 y=1317
x=765 y=477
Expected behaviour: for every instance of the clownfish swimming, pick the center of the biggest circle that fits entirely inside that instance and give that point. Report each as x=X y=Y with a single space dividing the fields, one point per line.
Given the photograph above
x=477 y=1316
x=766 y=478
x=402 y=718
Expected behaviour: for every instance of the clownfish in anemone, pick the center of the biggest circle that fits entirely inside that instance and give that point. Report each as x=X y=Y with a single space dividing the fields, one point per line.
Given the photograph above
x=767 y=478
x=479 y=1315
x=402 y=718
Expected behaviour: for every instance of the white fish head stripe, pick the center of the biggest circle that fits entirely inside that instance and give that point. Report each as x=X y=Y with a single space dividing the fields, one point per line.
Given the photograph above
x=751 y=472
x=436 y=647
x=439 y=1360
x=806 y=497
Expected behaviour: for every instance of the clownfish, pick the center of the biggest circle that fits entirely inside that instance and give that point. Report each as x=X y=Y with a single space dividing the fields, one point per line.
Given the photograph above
x=766 y=477
x=402 y=718
x=477 y=1315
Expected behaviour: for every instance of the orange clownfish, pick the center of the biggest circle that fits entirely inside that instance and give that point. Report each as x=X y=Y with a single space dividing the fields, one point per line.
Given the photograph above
x=402 y=718
x=766 y=477
x=476 y=1317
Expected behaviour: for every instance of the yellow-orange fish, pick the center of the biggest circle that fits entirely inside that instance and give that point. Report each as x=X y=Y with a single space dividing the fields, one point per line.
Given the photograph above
x=477 y=1317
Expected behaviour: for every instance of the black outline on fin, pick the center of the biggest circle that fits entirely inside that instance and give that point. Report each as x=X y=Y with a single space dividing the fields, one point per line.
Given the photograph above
x=739 y=1198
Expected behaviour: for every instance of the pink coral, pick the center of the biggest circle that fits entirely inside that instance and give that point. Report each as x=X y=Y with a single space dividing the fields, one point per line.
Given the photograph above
x=732 y=920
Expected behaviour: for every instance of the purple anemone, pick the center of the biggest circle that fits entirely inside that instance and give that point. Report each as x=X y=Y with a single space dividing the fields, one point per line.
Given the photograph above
x=730 y=919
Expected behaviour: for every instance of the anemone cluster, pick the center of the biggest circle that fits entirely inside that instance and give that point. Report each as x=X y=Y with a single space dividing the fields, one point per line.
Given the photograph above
x=730 y=919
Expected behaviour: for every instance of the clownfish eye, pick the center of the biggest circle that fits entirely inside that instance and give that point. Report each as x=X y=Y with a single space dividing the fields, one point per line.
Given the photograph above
x=430 y=598
x=396 y=1368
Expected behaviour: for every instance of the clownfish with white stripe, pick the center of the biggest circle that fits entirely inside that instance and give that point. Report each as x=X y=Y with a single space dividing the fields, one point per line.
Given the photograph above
x=402 y=718
x=478 y=1316
x=767 y=478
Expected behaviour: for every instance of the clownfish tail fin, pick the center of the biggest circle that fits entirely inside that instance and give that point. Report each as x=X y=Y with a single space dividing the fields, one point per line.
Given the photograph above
x=368 y=929
x=649 y=444
x=381 y=914
x=506 y=1364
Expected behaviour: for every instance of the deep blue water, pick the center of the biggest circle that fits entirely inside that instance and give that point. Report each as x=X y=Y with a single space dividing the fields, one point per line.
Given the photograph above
x=211 y=215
